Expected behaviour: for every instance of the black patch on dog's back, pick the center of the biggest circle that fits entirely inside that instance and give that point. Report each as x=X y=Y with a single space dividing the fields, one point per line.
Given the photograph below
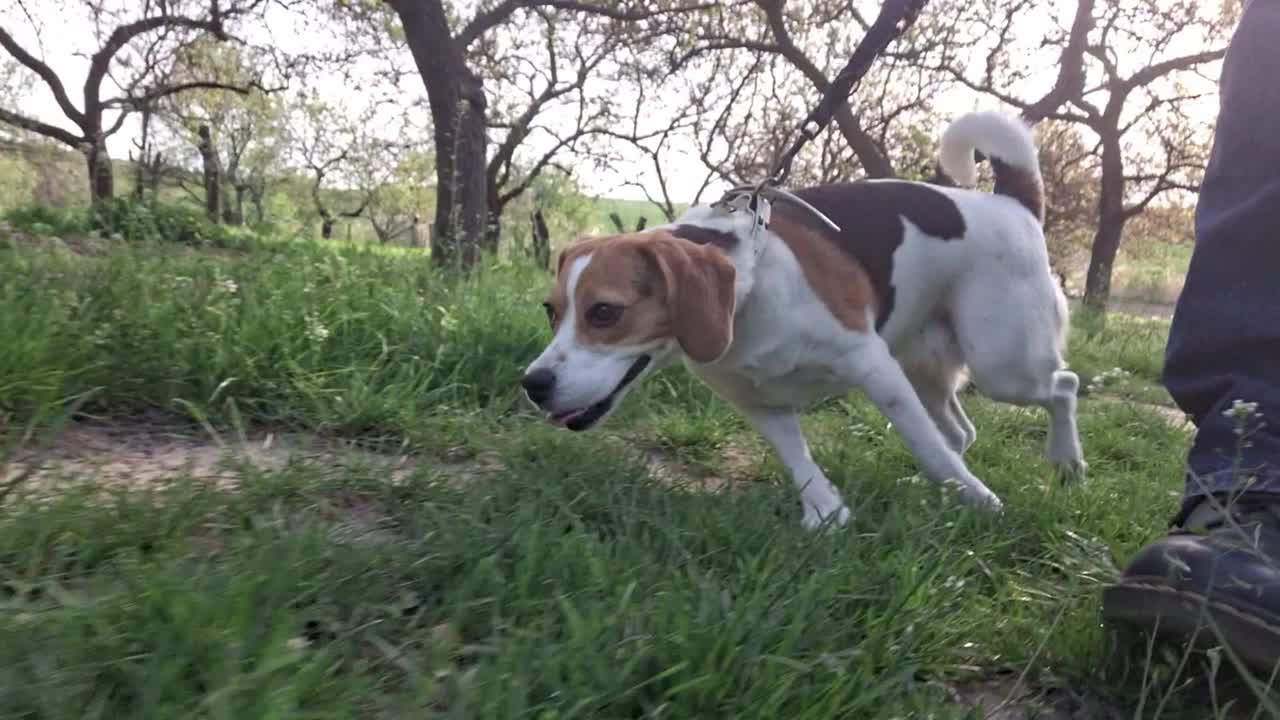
x=870 y=215
x=706 y=236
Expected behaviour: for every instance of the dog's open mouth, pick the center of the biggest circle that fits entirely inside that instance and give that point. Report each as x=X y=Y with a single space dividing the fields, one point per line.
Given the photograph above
x=583 y=418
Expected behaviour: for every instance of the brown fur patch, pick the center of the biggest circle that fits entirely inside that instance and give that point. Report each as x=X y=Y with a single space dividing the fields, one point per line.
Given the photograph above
x=666 y=287
x=839 y=280
x=1020 y=185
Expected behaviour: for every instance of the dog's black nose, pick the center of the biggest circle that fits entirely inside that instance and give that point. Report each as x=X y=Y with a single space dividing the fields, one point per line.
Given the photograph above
x=538 y=385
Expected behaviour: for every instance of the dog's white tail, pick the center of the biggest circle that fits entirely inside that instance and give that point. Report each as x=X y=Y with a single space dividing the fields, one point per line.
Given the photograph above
x=1008 y=144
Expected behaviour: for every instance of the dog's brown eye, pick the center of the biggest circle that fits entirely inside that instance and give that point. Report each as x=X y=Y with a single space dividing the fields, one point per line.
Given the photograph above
x=551 y=313
x=603 y=314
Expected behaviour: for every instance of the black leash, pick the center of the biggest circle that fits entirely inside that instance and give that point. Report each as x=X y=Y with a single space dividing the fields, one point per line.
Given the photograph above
x=894 y=19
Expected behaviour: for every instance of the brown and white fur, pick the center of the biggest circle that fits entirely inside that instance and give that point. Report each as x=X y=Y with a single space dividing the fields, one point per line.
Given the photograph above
x=924 y=285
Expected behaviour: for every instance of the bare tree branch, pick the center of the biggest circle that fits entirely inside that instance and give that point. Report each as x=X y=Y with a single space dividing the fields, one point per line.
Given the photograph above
x=43 y=128
x=486 y=20
x=45 y=73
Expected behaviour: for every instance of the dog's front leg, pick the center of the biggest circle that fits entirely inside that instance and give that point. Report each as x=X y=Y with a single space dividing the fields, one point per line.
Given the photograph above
x=820 y=499
x=872 y=368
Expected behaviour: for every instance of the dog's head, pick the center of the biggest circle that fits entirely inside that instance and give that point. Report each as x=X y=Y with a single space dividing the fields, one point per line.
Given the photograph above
x=621 y=306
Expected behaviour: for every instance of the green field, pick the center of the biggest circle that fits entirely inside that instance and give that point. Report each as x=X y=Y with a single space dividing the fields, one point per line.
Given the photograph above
x=629 y=210
x=449 y=555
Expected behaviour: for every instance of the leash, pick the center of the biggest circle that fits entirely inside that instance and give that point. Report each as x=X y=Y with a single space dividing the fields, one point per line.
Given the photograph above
x=894 y=19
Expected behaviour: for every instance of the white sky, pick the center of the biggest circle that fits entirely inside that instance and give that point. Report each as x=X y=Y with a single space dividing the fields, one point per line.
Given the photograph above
x=63 y=40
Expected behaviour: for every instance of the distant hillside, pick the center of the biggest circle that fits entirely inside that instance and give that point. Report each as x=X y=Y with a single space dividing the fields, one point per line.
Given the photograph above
x=629 y=210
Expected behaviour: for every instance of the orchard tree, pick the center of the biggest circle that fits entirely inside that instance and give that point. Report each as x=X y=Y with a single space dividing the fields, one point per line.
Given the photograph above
x=442 y=46
x=784 y=57
x=1143 y=66
x=343 y=156
x=245 y=131
x=553 y=90
x=1070 y=169
x=129 y=69
x=400 y=199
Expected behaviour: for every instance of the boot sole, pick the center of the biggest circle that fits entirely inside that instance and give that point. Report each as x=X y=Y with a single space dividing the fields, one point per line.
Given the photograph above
x=1177 y=615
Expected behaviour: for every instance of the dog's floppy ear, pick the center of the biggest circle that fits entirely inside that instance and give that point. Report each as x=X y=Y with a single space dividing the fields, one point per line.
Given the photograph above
x=699 y=282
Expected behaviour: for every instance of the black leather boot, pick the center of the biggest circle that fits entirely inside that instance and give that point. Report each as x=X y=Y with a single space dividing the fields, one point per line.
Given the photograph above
x=1217 y=578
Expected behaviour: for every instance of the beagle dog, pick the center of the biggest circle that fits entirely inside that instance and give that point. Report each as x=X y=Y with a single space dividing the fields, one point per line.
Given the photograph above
x=916 y=289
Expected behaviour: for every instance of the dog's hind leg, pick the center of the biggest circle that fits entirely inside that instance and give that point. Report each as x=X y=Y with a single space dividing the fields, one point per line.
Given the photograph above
x=1054 y=391
x=934 y=364
x=873 y=369
x=1017 y=360
x=962 y=419
x=939 y=399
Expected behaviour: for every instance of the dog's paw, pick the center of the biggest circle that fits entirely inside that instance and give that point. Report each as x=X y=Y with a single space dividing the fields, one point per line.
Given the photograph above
x=815 y=519
x=976 y=494
x=1071 y=471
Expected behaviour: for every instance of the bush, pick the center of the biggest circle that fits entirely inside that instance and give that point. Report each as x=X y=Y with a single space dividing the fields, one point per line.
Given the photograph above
x=132 y=220
x=44 y=220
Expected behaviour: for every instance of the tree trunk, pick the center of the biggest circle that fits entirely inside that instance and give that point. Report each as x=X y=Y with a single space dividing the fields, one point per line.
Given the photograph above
x=139 y=175
x=212 y=175
x=233 y=206
x=227 y=210
x=256 y=197
x=101 y=175
x=143 y=165
x=237 y=217
x=493 y=230
x=458 y=109
x=1111 y=220
x=154 y=176
x=541 y=246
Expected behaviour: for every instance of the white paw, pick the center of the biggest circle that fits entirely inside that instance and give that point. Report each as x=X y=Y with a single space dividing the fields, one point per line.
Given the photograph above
x=814 y=518
x=1070 y=471
x=977 y=494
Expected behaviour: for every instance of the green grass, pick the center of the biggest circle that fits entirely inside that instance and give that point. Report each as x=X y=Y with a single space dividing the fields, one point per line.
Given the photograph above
x=566 y=583
x=1152 y=271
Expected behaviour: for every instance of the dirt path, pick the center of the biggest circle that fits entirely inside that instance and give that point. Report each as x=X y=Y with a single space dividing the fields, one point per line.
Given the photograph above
x=138 y=455
x=1142 y=308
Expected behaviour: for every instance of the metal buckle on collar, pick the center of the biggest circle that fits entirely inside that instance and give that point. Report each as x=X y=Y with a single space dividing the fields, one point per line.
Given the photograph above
x=749 y=201
x=743 y=197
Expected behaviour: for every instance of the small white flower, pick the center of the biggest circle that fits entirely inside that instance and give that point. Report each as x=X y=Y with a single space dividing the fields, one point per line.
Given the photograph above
x=316 y=329
x=229 y=286
x=1242 y=409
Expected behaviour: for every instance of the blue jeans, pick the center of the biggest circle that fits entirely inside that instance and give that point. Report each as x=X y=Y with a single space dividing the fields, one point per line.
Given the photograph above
x=1224 y=344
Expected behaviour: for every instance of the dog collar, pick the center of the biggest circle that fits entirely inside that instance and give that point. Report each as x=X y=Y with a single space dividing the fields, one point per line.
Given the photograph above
x=756 y=200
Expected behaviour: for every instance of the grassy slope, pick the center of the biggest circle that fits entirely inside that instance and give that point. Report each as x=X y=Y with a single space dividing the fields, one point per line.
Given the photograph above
x=629 y=210
x=556 y=588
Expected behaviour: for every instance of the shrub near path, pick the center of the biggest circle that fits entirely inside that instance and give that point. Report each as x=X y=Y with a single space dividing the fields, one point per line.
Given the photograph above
x=563 y=581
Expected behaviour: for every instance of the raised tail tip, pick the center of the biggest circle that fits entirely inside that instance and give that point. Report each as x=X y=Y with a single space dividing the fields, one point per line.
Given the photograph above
x=1008 y=143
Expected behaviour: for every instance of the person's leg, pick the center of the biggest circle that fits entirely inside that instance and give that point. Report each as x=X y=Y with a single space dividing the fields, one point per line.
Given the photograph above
x=1224 y=348
x=1224 y=344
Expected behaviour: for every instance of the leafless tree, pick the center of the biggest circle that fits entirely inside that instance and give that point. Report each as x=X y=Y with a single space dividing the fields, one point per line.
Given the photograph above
x=334 y=148
x=804 y=43
x=460 y=106
x=1132 y=83
x=545 y=62
x=127 y=70
x=149 y=161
